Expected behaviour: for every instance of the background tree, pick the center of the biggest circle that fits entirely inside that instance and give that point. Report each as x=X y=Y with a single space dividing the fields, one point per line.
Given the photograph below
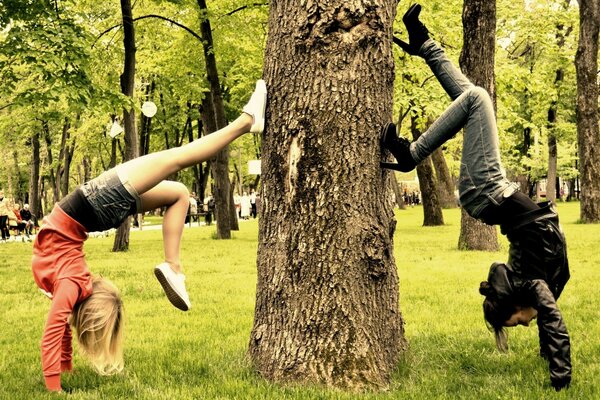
x=588 y=133
x=528 y=58
x=327 y=291
x=121 y=242
x=224 y=208
x=432 y=210
x=477 y=62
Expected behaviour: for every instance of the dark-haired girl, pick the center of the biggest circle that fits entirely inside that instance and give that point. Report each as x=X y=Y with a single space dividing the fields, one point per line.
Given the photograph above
x=528 y=284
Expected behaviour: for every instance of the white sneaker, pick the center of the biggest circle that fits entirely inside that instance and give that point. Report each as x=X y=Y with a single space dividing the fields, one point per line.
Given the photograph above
x=174 y=286
x=256 y=107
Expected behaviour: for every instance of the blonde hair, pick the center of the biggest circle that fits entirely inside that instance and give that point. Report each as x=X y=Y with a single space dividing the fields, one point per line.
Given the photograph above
x=98 y=321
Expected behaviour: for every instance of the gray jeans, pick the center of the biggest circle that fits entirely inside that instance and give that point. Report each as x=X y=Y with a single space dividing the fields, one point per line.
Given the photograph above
x=482 y=181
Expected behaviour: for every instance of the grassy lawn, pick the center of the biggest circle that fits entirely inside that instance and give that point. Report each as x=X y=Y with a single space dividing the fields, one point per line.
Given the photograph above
x=201 y=354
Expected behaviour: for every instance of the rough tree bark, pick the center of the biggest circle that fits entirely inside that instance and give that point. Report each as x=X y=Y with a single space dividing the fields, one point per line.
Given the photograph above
x=588 y=132
x=121 y=242
x=477 y=62
x=327 y=294
x=432 y=211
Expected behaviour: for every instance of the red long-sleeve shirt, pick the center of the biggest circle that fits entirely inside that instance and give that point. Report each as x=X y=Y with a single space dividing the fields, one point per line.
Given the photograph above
x=59 y=269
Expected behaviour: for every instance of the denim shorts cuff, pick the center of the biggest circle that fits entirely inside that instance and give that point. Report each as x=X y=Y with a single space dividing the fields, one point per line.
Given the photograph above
x=131 y=190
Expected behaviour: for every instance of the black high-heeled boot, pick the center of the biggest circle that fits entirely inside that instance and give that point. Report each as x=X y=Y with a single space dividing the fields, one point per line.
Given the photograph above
x=399 y=147
x=417 y=32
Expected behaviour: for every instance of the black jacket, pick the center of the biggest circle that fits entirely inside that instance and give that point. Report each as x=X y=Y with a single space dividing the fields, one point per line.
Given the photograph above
x=535 y=274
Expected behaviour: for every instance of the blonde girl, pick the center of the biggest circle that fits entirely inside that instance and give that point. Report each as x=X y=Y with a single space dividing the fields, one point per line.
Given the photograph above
x=92 y=305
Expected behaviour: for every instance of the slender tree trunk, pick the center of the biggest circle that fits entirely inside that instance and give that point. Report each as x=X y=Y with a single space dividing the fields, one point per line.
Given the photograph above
x=34 y=176
x=60 y=167
x=121 y=242
x=445 y=182
x=588 y=132
x=327 y=294
x=197 y=170
x=397 y=193
x=87 y=169
x=220 y=165
x=552 y=161
x=432 y=211
x=66 y=168
x=146 y=122
x=552 y=191
x=51 y=173
x=18 y=192
x=477 y=62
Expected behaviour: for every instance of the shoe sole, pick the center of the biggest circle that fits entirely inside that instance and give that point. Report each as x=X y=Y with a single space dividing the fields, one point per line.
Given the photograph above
x=172 y=295
x=260 y=122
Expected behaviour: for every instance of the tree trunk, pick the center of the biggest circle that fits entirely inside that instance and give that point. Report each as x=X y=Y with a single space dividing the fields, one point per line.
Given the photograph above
x=477 y=62
x=588 y=132
x=432 y=211
x=551 y=186
x=34 y=177
x=146 y=122
x=18 y=191
x=397 y=193
x=327 y=307
x=220 y=165
x=445 y=182
x=552 y=164
x=60 y=168
x=66 y=167
x=51 y=174
x=121 y=242
x=197 y=170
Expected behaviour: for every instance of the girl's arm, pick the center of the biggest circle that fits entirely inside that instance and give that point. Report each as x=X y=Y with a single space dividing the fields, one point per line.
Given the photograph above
x=65 y=296
x=557 y=346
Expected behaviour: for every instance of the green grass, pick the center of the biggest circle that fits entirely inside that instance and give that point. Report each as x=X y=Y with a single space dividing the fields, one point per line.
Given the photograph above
x=202 y=354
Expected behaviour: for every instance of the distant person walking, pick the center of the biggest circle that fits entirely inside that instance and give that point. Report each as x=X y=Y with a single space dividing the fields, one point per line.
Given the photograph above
x=4 y=217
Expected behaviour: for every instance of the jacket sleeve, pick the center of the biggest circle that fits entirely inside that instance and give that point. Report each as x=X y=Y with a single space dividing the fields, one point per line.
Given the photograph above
x=554 y=332
x=54 y=348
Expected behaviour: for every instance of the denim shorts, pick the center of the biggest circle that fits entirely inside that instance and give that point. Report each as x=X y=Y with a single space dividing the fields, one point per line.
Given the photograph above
x=112 y=198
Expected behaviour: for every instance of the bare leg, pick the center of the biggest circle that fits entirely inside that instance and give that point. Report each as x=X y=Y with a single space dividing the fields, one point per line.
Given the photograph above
x=175 y=196
x=145 y=172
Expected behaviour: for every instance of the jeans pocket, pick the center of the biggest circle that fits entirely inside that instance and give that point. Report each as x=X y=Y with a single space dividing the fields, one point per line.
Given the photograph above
x=111 y=215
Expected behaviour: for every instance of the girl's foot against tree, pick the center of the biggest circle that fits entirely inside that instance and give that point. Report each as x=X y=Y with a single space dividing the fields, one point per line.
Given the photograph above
x=417 y=32
x=399 y=147
x=256 y=107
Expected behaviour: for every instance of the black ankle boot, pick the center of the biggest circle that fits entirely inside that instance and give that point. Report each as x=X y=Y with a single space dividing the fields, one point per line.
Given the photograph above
x=399 y=147
x=417 y=32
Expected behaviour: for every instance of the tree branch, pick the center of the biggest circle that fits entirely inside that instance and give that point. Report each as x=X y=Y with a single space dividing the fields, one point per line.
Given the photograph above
x=230 y=13
x=6 y=106
x=191 y=32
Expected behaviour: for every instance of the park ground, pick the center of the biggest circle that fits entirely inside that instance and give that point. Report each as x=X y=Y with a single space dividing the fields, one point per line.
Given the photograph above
x=201 y=354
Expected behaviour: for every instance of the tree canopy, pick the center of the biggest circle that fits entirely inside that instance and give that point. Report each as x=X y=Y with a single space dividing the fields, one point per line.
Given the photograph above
x=60 y=63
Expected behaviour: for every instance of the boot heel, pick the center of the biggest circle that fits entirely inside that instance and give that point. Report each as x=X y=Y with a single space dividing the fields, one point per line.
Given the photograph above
x=392 y=166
